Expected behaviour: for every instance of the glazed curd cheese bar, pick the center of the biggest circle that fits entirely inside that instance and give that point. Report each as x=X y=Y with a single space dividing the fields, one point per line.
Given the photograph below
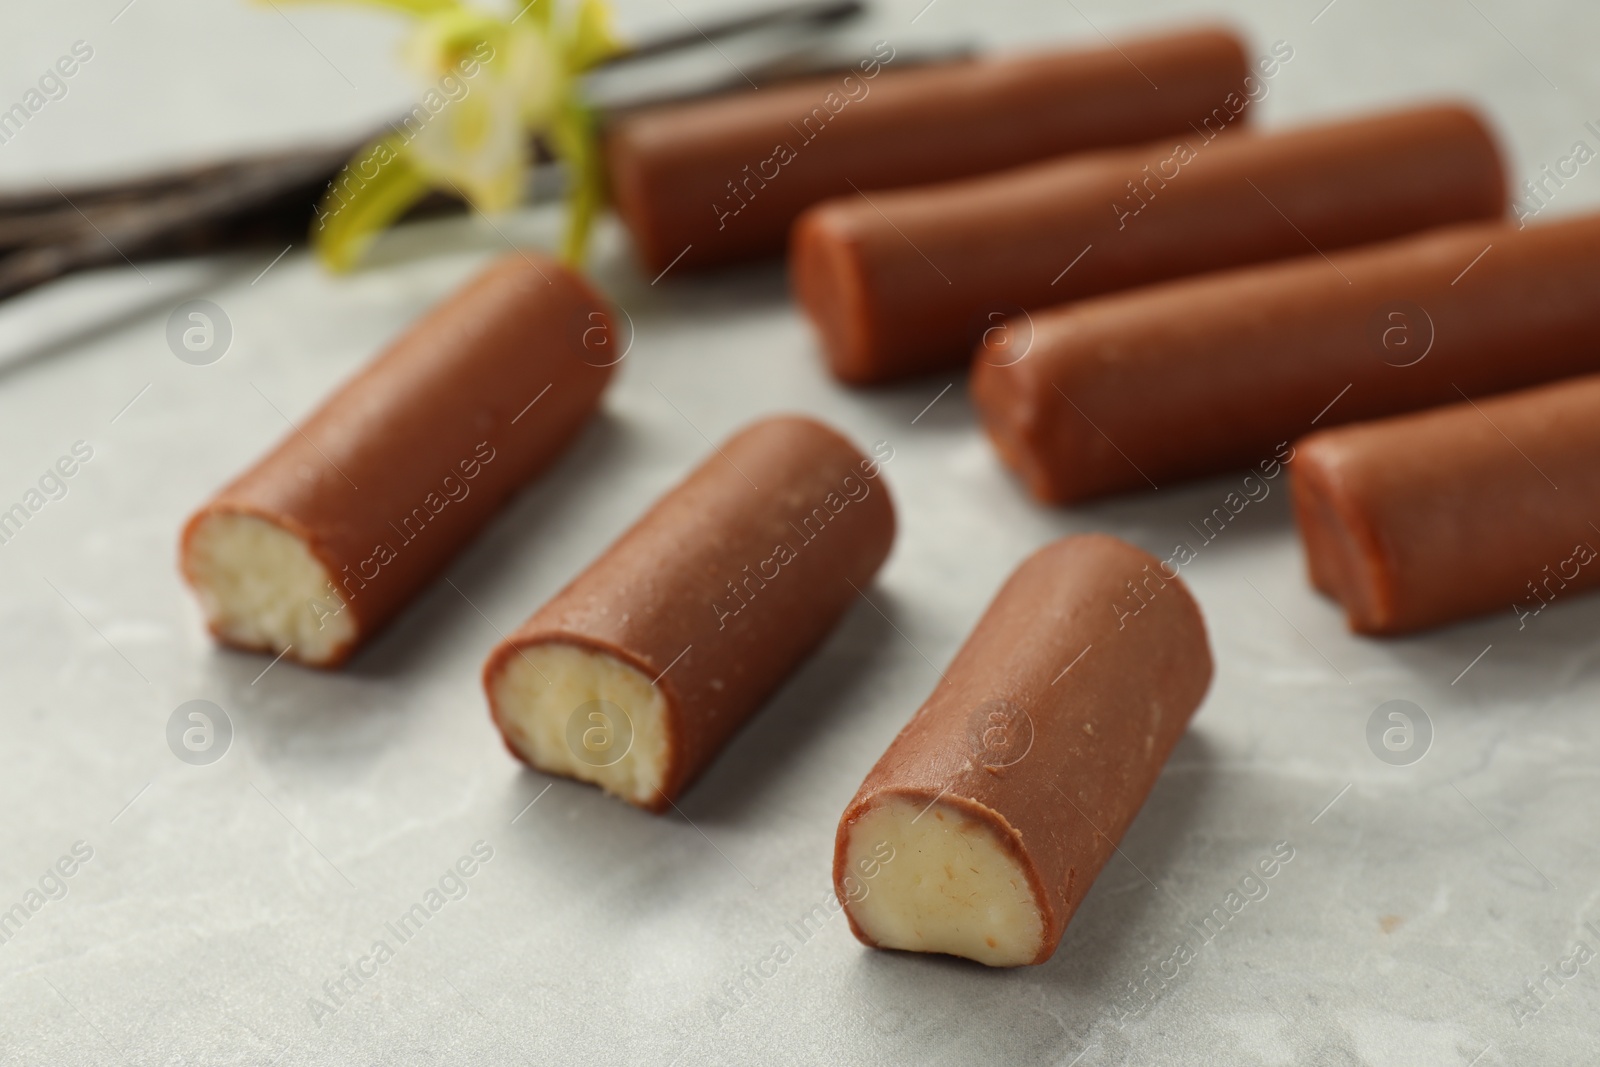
x=635 y=675
x=1207 y=374
x=909 y=281
x=718 y=181
x=1004 y=795
x=1429 y=518
x=325 y=539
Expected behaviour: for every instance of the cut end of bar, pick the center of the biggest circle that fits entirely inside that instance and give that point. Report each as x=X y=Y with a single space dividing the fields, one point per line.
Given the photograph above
x=1343 y=555
x=584 y=714
x=1011 y=420
x=627 y=168
x=826 y=273
x=262 y=588
x=954 y=885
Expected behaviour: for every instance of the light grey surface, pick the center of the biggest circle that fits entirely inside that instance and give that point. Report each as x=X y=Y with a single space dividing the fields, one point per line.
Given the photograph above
x=219 y=899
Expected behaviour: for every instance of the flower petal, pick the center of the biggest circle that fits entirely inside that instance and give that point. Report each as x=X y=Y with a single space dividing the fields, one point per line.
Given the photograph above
x=357 y=207
x=410 y=7
x=592 y=38
x=475 y=145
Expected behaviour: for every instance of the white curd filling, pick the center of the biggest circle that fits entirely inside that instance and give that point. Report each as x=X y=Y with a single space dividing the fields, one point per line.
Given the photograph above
x=587 y=715
x=953 y=886
x=260 y=587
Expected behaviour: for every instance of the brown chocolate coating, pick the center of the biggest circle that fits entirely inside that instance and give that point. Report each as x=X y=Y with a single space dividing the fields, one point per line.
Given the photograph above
x=376 y=481
x=1425 y=519
x=731 y=580
x=1082 y=749
x=1207 y=374
x=908 y=282
x=727 y=176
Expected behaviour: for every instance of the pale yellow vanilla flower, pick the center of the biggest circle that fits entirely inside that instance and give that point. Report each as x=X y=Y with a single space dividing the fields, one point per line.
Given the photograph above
x=477 y=146
x=483 y=72
x=535 y=71
x=490 y=82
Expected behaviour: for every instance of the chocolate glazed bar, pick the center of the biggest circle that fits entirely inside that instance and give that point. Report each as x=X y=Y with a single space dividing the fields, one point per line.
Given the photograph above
x=719 y=181
x=1424 y=519
x=908 y=282
x=1207 y=374
x=1005 y=794
x=327 y=538
x=636 y=674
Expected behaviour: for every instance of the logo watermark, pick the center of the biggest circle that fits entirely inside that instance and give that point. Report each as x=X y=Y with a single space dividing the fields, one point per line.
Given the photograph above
x=599 y=733
x=1399 y=732
x=1003 y=336
x=199 y=332
x=1001 y=734
x=199 y=732
x=1401 y=333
